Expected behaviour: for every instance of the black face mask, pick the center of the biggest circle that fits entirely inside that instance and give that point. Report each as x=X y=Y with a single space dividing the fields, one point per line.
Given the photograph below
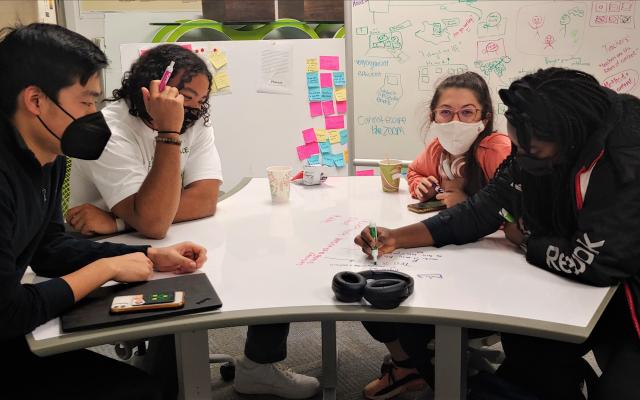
x=85 y=137
x=191 y=116
x=535 y=166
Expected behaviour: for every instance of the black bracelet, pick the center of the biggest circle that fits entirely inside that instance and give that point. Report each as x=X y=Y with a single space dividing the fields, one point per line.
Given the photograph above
x=167 y=132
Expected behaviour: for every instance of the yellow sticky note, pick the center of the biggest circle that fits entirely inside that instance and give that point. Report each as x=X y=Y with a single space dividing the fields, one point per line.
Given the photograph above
x=322 y=135
x=218 y=59
x=334 y=136
x=341 y=94
x=312 y=65
x=346 y=155
x=221 y=80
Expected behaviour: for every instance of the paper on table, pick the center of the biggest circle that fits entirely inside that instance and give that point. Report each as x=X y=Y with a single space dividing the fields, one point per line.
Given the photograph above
x=365 y=172
x=309 y=136
x=275 y=69
x=327 y=107
x=325 y=80
x=334 y=122
x=315 y=108
x=341 y=107
x=330 y=62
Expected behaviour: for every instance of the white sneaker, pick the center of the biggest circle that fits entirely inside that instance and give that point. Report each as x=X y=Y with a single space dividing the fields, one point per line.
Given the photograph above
x=255 y=378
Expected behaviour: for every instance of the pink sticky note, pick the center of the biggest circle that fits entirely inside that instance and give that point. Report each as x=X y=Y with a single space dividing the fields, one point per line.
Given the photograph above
x=365 y=172
x=327 y=108
x=307 y=150
x=341 y=107
x=330 y=62
x=334 y=122
x=326 y=80
x=315 y=108
x=309 y=135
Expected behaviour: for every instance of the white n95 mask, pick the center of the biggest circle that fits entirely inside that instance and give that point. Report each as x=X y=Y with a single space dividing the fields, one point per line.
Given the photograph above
x=457 y=137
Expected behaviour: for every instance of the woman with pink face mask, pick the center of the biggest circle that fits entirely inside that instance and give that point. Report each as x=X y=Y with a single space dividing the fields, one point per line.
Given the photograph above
x=465 y=151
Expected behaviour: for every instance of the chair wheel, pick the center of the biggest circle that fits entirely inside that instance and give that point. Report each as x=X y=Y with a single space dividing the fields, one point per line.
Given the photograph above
x=227 y=372
x=123 y=351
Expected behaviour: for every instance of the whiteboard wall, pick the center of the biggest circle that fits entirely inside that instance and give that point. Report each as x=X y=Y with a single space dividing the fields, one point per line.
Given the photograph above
x=402 y=48
x=255 y=130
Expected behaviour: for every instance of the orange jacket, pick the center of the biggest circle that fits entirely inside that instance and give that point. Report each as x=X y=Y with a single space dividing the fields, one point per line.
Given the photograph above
x=491 y=151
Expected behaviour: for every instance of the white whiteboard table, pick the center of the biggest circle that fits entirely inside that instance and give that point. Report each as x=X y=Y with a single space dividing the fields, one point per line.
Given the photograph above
x=261 y=262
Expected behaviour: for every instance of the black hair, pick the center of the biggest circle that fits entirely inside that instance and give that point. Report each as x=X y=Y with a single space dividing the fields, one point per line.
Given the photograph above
x=48 y=56
x=564 y=107
x=150 y=66
x=474 y=176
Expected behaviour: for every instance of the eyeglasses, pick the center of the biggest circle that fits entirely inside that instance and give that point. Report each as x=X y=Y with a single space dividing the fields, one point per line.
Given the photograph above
x=465 y=114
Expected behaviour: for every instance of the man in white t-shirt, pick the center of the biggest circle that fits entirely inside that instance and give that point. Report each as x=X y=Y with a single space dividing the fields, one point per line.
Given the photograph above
x=148 y=178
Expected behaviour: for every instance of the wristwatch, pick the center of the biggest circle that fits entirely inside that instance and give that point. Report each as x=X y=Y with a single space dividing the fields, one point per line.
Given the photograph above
x=525 y=241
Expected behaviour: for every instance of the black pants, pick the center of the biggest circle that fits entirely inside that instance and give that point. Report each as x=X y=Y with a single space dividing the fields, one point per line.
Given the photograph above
x=80 y=374
x=552 y=370
x=413 y=339
x=266 y=343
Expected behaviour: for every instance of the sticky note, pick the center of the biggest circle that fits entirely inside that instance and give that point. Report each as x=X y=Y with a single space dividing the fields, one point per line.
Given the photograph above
x=309 y=135
x=338 y=159
x=327 y=159
x=344 y=136
x=334 y=136
x=222 y=80
x=365 y=172
x=327 y=94
x=346 y=155
x=218 y=59
x=330 y=62
x=341 y=107
x=312 y=80
x=327 y=107
x=307 y=150
x=321 y=135
x=315 y=94
x=338 y=79
x=341 y=94
x=312 y=65
x=326 y=80
x=314 y=159
x=334 y=121
x=325 y=147
x=315 y=108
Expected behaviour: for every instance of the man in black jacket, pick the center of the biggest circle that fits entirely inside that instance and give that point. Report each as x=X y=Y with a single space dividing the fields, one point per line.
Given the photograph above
x=49 y=80
x=572 y=188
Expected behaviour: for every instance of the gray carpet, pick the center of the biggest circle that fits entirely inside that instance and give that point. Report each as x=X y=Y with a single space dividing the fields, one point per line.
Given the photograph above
x=359 y=358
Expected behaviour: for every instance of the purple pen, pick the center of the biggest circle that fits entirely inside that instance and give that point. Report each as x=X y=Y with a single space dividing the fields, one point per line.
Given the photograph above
x=166 y=76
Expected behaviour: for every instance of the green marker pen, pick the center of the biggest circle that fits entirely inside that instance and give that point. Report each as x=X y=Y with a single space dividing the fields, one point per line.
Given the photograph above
x=373 y=230
x=506 y=215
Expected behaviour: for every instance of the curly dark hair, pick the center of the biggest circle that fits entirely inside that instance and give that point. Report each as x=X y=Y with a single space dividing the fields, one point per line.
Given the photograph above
x=151 y=65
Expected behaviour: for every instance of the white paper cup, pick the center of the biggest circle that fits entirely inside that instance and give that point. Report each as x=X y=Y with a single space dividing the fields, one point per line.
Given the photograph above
x=279 y=183
x=312 y=174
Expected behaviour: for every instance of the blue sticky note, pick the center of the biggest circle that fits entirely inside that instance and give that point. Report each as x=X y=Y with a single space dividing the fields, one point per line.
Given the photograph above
x=315 y=94
x=325 y=147
x=327 y=94
x=313 y=80
x=338 y=159
x=327 y=160
x=314 y=160
x=344 y=136
x=338 y=79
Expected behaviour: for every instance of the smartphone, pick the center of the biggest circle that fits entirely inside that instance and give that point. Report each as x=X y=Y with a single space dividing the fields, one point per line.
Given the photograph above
x=426 y=206
x=144 y=302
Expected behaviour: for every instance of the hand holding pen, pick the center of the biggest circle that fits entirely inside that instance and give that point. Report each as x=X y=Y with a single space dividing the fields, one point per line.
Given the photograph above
x=385 y=243
x=164 y=104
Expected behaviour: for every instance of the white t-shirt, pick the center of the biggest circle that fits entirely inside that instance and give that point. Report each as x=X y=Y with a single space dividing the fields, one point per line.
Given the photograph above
x=128 y=158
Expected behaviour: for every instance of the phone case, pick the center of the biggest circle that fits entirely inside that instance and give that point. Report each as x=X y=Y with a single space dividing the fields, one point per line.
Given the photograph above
x=155 y=301
x=422 y=208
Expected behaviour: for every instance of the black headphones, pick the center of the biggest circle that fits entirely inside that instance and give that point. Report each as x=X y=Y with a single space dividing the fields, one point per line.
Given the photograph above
x=383 y=289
